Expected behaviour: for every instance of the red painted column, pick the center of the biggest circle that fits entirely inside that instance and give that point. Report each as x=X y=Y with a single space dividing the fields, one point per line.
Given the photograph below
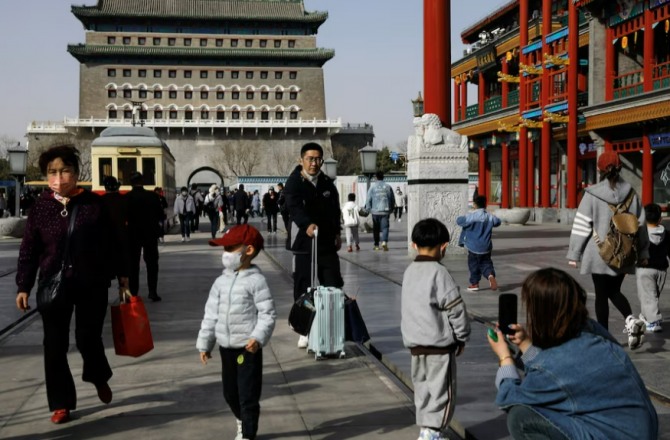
x=481 y=89
x=504 y=197
x=609 y=63
x=648 y=54
x=505 y=84
x=647 y=170
x=457 y=101
x=437 y=59
x=464 y=99
x=573 y=55
x=523 y=99
x=483 y=187
x=545 y=149
x=530 y=173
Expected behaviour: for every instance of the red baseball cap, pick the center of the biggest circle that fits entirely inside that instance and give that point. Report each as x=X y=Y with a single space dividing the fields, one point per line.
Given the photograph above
x=240 y=234
x=608 y=158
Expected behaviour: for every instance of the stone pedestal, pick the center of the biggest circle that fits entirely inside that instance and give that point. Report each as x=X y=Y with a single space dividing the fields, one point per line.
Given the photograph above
x=437 y=177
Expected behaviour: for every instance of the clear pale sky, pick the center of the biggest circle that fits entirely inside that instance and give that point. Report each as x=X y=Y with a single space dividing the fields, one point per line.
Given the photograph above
x=377 y=69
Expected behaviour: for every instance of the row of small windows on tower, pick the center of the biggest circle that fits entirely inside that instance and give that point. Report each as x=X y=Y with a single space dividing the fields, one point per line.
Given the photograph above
x=172 y=73
x=204 y=42
x=188 y=94
x=204 y=115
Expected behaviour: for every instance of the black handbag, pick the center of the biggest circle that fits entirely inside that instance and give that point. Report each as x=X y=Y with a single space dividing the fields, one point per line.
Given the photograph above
x=302 y=314
x=354 y=326
x=49 y=288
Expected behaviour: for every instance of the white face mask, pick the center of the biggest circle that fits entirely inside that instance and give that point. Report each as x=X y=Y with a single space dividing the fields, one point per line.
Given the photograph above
x=231 y=260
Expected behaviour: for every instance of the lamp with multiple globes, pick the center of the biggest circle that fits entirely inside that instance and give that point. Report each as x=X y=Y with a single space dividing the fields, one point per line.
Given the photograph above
x=18 y=158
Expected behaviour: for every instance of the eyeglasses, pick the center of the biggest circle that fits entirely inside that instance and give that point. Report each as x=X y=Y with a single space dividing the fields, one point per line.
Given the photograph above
x=316 y=160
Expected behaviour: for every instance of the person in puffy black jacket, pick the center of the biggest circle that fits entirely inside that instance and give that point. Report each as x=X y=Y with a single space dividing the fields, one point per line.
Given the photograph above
x=313 y=203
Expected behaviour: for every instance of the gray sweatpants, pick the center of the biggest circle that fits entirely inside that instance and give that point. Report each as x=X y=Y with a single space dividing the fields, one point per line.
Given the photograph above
x=434 y=379
x=650 y=283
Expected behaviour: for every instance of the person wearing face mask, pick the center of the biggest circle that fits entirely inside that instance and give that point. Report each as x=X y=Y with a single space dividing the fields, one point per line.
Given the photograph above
x=184 y=207
x=313 y=203
x=94 y=258
x=240 y=315
x=435 y=327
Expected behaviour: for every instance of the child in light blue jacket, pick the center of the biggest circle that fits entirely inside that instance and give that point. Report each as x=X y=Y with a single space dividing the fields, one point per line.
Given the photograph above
x=476 y=237
x=240 y=315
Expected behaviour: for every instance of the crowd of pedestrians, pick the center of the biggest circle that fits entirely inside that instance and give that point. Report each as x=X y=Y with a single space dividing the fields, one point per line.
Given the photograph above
x=577 y=382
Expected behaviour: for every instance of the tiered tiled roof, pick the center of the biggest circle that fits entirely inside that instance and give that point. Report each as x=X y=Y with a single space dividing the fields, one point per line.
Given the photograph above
x=85 y=52
x=235 y=10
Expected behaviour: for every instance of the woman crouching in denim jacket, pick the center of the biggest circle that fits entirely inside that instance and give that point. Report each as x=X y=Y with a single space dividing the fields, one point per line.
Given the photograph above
x=579 y=382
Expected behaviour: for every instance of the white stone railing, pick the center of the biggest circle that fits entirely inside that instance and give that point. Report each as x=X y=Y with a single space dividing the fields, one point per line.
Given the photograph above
x=56 y=127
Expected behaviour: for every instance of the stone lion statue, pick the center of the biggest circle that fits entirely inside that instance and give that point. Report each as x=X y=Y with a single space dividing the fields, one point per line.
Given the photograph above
x=434 y=134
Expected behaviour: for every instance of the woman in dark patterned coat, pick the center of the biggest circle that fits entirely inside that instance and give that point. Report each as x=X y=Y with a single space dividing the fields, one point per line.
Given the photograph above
x=92 y=264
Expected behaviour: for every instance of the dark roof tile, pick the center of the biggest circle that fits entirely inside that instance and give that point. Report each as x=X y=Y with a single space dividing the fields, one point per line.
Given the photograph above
x=265 y=10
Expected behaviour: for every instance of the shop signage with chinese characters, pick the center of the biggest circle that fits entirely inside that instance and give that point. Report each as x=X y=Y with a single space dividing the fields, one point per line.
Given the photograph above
x=659 y=140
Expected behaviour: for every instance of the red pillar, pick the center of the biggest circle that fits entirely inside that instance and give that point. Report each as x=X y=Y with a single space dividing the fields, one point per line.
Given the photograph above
x=457 y=101
x=504 y=197
x=483 y=187
x=647 y=170
x=464 y=99
x=530 y=173
x=437 y=58
x=523 y=134
x=573 y=55
x=648 y=54
x=545 y=149
x=505 y=84
x=609 y=63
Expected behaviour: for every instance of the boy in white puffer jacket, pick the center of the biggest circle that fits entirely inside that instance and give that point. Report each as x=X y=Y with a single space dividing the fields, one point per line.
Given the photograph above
x=240 y=315
x=351 y=219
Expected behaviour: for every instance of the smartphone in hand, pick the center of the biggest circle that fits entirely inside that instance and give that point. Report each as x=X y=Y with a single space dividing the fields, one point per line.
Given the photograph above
x=507 y=303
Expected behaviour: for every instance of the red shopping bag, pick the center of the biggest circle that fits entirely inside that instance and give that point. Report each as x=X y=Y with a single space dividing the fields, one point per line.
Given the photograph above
x=130 y=327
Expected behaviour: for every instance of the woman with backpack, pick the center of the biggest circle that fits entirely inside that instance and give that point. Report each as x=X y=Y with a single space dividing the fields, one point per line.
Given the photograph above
x=211 y=206
x=591 y=226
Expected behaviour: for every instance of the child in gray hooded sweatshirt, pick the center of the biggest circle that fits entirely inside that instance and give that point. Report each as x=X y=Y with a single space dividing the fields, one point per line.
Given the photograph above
x=435 y=327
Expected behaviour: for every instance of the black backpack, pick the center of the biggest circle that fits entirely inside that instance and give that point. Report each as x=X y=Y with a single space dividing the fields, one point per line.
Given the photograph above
x=209 y=206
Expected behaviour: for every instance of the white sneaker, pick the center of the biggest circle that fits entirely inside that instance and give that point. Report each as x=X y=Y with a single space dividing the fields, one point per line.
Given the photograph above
x=654 y=327
x=183 y=239
x=303 y=341
x=188 y=238
x=635 y=328
x=239 y=430
x=429 y=434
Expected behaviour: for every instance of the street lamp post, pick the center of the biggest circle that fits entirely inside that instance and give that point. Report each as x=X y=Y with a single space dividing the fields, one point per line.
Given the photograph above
x=417 y=106
x=330 y=168
x=17 y=167
x=368 y=155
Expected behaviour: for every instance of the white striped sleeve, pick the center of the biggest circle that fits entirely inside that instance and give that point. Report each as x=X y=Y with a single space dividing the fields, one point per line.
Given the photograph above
x=582 y=225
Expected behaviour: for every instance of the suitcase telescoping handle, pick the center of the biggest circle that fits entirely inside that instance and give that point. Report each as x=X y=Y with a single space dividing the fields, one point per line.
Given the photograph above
x=314 y=250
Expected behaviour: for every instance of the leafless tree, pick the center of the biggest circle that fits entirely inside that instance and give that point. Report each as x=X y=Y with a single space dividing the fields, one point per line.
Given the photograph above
x=7 y=142
x=236 y=159
x=283 y=161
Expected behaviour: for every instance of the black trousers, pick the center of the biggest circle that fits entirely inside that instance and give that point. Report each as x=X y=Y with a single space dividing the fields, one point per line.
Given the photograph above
x=195 y=220
x=148 y=247
x=327 y=271
x=242 y=375
x=608 y=287
x=272 y=221
x=89 y=305
x=242 y=215
x=284 y=217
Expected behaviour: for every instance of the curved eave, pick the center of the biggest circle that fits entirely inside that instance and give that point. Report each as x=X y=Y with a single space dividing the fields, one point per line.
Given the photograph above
x=84 y=52
x=88 y=14
x=473 y=31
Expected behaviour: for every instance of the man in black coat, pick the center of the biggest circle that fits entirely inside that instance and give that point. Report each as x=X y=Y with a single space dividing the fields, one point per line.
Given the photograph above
x=313 y=203
x=242 y=204
x=144 y=216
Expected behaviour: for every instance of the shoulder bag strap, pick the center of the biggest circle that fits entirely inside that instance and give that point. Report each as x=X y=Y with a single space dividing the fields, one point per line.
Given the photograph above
x=70 y=228
x=625 y=205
